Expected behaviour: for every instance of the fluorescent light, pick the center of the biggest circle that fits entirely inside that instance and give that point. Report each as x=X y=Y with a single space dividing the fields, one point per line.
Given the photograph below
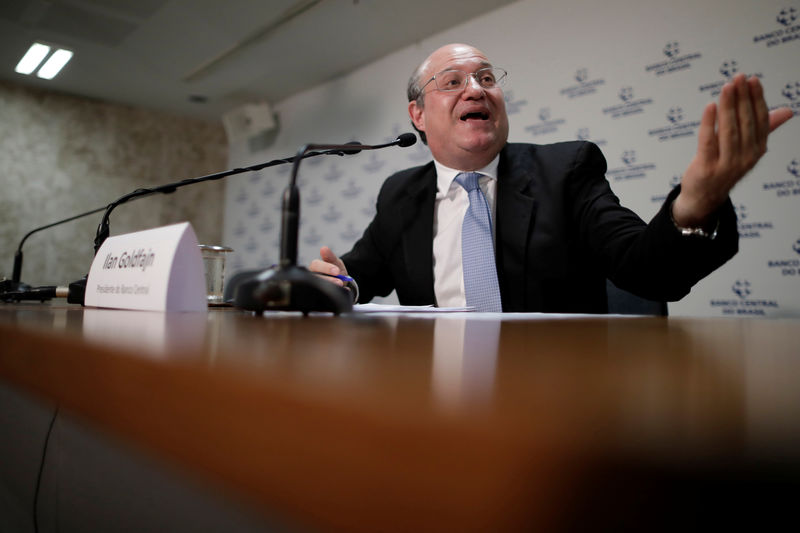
x=30 y=61
x=54 y=65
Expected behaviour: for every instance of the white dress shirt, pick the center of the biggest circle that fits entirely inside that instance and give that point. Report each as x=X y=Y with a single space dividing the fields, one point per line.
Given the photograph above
x=450 y=207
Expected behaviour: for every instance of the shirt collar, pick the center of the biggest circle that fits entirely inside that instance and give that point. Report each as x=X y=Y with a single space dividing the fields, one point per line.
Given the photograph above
x=446 y=175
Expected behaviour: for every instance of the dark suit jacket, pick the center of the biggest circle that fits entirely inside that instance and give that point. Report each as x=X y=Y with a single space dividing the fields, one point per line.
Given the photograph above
x=560 y=232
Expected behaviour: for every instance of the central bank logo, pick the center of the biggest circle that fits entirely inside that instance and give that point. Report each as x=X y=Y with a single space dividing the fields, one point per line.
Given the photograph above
x=544 y=114
x=583 y=134
x=314 y=198
x=332 y=214
x=370 y=208
x=750 y=229
x=787 y=266
x=672 y=49
x=674 y=181
x=743 y=303
x=629 y=157
x=352 y=190
x=266 y=225
x=374 y=164
x=788 y=29
x=513 y=106
x=333 y=173
x=786 y=187
x=629 y=106
x=787 y=16
x=727 y=69
x=546 y=124
x=585 y=85
x=794 y=168
x=632 y=169
x=251 y=245
x=675 y=114
x=741 y=288
x=676 y=127
x=419 y=153
x=791 y=91
x=268 y=190
x=350 y=233
x=241 y=197
x=312 y=237
x=675 y=61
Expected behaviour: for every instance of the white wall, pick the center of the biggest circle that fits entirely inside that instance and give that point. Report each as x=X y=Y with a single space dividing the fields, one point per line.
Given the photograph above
x=570 y=64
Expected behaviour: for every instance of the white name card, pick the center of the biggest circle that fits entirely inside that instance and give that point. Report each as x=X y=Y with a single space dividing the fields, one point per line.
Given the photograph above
x=159 y=269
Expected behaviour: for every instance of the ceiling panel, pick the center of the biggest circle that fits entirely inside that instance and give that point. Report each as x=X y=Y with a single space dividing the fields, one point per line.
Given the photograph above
x=142 y=52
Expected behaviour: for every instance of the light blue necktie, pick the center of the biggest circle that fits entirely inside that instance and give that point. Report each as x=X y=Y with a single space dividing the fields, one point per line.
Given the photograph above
x=477 y=249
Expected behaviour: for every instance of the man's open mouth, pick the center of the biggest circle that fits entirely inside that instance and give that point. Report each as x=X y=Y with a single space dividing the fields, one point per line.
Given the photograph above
x=478 y=115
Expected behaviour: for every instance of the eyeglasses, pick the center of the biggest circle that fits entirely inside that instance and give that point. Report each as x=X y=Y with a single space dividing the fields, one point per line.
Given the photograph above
x=456 y=80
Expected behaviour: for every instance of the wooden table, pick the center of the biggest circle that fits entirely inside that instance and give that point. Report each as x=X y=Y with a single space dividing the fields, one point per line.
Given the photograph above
x=440 y=422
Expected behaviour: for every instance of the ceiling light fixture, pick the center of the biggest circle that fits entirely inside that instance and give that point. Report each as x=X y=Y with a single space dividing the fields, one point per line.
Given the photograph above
x=32 y=58
x=54 y=65
x=35 y=58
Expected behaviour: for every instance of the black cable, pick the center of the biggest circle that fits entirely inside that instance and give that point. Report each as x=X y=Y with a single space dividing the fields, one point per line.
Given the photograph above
x=41 y=472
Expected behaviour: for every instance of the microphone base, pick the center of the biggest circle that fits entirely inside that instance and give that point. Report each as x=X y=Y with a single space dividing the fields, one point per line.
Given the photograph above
x=291 y=288
x=13 y=291
x=77 y=291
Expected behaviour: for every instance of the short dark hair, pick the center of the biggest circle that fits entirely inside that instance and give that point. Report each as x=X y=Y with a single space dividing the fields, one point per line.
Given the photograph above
x=414 y=92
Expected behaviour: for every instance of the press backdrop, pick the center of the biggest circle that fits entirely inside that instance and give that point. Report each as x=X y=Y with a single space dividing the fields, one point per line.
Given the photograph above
x=631 y=76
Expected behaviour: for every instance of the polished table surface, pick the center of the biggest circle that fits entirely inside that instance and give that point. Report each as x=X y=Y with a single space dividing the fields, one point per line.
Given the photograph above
x=433 y=421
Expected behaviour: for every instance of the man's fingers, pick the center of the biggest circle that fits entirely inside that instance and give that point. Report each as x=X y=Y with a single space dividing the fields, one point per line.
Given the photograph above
x=707 y=142
x=327 y=255
x=321 y=267
x=749 y=143
x=728 y=130
x=778 y=116
x=761 y=112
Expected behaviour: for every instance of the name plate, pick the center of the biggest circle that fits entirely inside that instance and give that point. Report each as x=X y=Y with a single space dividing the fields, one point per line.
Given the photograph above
x=159 y=269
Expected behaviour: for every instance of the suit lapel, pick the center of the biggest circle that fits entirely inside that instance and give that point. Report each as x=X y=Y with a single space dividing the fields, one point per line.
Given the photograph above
x=417 y=216
x=516 y=212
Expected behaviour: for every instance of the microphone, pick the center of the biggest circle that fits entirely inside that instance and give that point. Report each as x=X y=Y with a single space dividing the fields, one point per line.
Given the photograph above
x=287 y=286
x=43 y=293
x=406 y=139
x=14 y=289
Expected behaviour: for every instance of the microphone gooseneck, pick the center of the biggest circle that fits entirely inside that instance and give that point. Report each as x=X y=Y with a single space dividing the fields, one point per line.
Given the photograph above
x=103 y=229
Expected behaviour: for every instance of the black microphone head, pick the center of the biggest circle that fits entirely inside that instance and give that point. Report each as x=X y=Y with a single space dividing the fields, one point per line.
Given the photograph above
x=406 y=139
x=353 y=151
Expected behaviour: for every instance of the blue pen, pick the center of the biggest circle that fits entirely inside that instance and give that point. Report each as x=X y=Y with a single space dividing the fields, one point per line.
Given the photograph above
x=346 y=279
x=349 y=283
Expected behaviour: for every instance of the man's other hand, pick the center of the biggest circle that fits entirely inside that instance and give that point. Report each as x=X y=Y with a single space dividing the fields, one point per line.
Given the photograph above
x=731 y=139
x=330 y=264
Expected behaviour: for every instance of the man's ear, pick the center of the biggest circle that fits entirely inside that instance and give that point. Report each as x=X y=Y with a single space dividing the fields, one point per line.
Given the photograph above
x=417 y=114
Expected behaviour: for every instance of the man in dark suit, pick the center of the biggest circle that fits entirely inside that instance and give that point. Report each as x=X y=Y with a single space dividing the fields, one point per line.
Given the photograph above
x=557 y=228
